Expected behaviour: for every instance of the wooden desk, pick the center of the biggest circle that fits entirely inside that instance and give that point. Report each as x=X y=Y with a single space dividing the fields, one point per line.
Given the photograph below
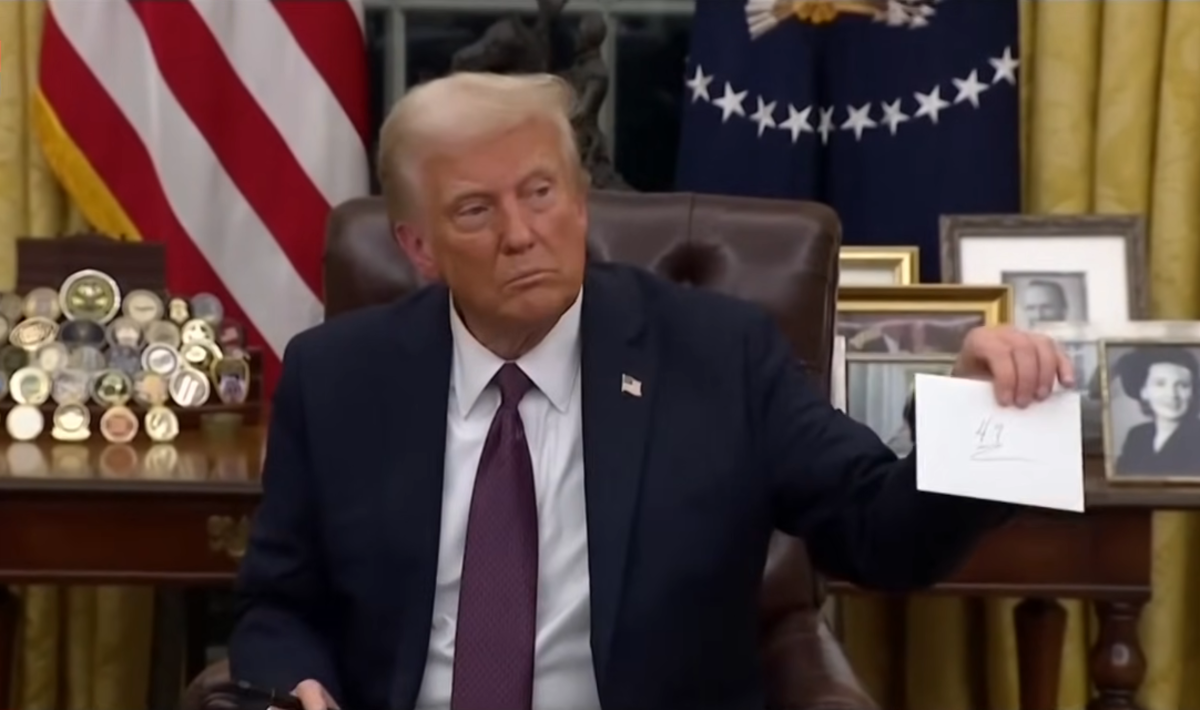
x=97 y=513
x=1103 y=557
x=101 y=514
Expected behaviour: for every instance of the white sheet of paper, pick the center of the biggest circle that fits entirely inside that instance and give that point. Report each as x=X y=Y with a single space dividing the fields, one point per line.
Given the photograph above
x=968 y=445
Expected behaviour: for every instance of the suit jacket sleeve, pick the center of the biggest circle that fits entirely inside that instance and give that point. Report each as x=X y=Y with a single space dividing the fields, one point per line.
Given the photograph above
x=835 y=484
x=282 y=599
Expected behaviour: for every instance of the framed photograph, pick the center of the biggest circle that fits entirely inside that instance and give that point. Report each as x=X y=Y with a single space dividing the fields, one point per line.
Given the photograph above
x=1081 y=342
x=1151 y=410
x=877 y=390
x=878 y=266
x=918 y=320
x=1062 y=268
x=837 y=381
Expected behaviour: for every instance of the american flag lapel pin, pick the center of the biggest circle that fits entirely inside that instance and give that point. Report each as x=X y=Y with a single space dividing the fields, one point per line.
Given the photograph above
x=631 y=386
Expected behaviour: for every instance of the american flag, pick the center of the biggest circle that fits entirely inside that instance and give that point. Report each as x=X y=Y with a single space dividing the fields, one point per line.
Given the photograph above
x=892 y=111
x=226 y=129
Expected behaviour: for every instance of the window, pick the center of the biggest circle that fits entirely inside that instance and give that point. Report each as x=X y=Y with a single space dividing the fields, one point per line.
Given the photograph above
x=409 y=41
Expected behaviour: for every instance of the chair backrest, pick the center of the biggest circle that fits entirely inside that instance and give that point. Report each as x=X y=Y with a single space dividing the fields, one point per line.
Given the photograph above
x=781 y=254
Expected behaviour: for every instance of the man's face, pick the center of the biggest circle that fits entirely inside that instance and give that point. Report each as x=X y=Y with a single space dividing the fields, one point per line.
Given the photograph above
x=1041 y=304
x=503 y=222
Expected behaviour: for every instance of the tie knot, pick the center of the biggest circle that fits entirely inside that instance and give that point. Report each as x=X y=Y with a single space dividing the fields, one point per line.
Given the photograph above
x=513 y=384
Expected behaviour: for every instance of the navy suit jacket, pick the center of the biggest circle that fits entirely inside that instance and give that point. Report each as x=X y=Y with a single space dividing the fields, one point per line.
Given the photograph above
x=684 y=487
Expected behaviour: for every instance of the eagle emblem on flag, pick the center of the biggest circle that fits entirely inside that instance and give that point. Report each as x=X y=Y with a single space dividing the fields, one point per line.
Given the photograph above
x=762 y=16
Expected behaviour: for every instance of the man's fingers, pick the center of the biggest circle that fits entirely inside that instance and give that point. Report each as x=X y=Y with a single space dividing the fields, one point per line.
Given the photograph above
x=313 y=696
x=1066 y=368
x=1004 y=374
x=1025 y=359
x=1048 y=358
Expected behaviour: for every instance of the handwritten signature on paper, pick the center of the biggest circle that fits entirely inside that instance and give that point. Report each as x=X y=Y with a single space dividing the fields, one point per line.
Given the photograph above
x=990 y=443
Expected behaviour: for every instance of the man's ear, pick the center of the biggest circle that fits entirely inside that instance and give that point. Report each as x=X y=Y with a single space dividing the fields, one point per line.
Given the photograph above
x=418 y=250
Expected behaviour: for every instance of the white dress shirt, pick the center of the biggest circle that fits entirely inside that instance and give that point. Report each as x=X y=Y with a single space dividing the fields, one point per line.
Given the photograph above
x=564 y=678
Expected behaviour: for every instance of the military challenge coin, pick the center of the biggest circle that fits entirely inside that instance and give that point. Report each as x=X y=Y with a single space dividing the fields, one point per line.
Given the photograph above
x=29 y=386
x=33 y=332
x=161 y=358
x=42 y=303
x=125 y=359
x=70 y=386
x=111 y=388
x=90 y=295
x=13 y=358
x=197 y=331
x=143 y=307
x=51 y=357
x=208 y=308
x=178 y=311
x=189 y=387
x=11 y=307
x=161 y=424
x=118 y=425
x=163 y=332
x=83 y=331
x=71 y=422
x=24 y=422
x=124 y=332
x=232 y=378
x=88 y=358
x=150 y=389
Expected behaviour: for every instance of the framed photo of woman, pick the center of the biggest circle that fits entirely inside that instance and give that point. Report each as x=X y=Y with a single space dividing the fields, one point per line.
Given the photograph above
x=1151 y=410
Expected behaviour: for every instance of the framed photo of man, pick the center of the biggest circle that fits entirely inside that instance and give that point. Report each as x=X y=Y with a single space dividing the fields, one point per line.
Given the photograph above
x=917 y=321
x=1151 y=410
x=1073 y=269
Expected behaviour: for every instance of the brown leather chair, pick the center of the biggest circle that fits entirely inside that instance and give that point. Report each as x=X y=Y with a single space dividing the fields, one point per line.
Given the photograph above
x=781 y=254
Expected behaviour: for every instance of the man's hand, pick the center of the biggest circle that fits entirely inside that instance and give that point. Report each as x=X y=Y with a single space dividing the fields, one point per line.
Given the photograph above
x=1022 y=366
x=314 y=696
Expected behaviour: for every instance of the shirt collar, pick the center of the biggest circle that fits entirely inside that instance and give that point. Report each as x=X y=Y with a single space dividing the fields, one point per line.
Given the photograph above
x=552 y=364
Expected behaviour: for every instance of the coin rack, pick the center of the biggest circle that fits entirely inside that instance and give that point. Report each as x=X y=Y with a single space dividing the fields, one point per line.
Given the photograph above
x=133 y=266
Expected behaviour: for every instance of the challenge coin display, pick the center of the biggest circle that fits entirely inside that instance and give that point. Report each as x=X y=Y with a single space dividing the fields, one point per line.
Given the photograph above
x=90 y=295
x=119 y=425
x=116 y=364
x=71 y=423
x=24 y=422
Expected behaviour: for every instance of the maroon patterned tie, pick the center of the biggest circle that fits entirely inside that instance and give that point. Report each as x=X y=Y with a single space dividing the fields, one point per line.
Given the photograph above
x=497 y=605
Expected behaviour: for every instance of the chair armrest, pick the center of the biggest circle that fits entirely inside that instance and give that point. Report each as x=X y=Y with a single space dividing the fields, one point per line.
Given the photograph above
x=806 y=668
x=210 y=690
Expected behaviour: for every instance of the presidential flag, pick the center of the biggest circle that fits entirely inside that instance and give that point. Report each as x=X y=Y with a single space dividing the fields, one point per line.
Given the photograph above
x=225 y=129
x=892 y=111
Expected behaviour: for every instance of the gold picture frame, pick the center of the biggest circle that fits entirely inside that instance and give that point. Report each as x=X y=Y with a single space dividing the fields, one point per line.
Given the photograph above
x=917 y=321
x=890 y=266
x=1131 y=439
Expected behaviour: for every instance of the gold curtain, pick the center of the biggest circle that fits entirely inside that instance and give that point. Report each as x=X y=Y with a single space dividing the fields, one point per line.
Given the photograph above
x=80 y=648
x=1111 y=124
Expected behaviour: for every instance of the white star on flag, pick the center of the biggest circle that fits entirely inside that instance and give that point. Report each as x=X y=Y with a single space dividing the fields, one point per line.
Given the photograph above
x=797 y=122
x=730 y=103
x=699 y=85
x=764 y=116
x=930 y=104
x=1005 y=66
x=859 y=120
x=969 y=89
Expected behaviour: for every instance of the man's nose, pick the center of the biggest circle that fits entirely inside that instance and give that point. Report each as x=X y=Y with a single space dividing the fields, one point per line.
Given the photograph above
x=518 y=232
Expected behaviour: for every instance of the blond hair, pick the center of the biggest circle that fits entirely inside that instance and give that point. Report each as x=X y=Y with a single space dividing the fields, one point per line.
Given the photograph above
x=461 y=108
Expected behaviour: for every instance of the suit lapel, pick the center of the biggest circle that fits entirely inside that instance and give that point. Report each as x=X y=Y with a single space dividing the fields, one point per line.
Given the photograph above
x=413 y=441
x=619 y=368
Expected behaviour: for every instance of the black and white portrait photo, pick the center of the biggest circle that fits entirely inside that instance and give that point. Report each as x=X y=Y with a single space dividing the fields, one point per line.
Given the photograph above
x=1153 y=429
x=904 y=333
x=1085 y=357
x=877 y=391
x=1047 y=297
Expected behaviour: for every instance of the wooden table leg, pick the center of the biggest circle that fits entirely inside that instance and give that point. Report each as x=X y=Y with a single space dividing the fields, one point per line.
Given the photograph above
x=1118 y=665
x=10 y=615
x=1041 y=626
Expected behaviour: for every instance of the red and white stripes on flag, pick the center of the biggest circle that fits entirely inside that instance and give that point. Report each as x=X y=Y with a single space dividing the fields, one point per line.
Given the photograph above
x=226 y=129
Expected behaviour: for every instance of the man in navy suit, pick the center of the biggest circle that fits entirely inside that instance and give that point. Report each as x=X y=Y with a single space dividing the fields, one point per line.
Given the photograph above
x=547 y=485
